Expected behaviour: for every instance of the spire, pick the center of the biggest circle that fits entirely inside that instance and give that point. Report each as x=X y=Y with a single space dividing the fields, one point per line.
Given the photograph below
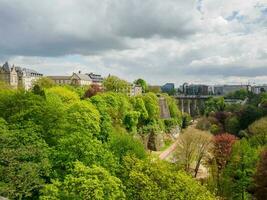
x=6 y=67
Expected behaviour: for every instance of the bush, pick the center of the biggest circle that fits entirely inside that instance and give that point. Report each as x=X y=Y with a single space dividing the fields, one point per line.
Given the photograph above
x=186 y=120
x=170 y=124
x=258 y=130
x=203 y=124
x=215 y=129
x=154 y=180
x=232 y=125
x=122 y=144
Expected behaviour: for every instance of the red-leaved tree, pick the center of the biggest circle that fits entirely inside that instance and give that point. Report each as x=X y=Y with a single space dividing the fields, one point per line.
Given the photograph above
x=93 y=90
x=222 y=149
x=260 y=177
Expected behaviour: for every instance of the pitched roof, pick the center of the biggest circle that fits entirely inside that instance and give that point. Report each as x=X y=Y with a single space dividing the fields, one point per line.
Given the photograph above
x=83 y=77
x=95 y=77
x=6 y=67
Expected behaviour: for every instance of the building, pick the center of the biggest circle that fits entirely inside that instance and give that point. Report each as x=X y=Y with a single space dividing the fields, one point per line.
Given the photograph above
x=78 y=79
x=96 y=78
x=168 y=88
x=226 y=89
x=61 y=79
x=259 y=89
x=135 y=90
x=18 y=77
x=81 y=79
x=197 y=89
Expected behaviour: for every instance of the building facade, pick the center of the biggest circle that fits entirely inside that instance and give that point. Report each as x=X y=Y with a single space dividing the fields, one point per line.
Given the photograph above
x=96 y=78
x=197 y=90
x=226 y=89
x=18 y=77
x=168 y=88
x=78 y=79
x=136 y=90
x=259 y=89
x=61 y=80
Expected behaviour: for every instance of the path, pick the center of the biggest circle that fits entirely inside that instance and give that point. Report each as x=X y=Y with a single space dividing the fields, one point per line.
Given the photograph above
x=203 y=171
x=167 y=152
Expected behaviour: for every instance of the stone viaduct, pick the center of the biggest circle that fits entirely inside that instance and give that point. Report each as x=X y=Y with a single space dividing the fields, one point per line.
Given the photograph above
x=191 y=104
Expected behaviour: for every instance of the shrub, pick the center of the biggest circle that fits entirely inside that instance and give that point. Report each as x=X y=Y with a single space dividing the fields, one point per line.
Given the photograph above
x=232 y=125
x=215 y=129
x=203 y=124
x=186 y=120
x=258 y=130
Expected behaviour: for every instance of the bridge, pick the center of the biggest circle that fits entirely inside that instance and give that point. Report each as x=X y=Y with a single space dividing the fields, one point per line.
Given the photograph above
x=191 y=104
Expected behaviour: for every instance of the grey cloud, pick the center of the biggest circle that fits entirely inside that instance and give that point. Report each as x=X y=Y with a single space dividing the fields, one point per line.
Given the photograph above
x=144 y=19
x=53 y=28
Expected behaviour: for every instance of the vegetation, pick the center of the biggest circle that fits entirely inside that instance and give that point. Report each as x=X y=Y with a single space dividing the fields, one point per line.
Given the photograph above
x=239 y=143
x=67 y=142
x=57 y=143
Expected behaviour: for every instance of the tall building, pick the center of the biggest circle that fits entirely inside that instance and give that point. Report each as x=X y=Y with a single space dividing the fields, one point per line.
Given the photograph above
x=197 y=89
x=18 y=77
x=226 y=89
x=168 y=88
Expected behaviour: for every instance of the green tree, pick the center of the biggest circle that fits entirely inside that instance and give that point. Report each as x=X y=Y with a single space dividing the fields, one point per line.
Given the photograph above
x=237 y=178
x=153 y=180
x=260 y=176
x=142 y=83
x=186 y=120
x=152 y=105
x=85 y=183
x=248 y=115
x=131 y=121
x=44 y=82
x=258 y=130
x=67 y=96
x=122 y=144
x=232 y=125
x=239 y=94
x=115 y=84
x=214 y=105
x=24 y=163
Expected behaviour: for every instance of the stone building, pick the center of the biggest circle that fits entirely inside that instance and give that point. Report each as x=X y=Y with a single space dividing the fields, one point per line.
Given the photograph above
x=61 y=80
x=78 y=79
x=135 y=90
x=18 y=77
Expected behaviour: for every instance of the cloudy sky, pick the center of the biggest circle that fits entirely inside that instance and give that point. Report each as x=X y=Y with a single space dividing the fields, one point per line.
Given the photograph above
x=196 y=41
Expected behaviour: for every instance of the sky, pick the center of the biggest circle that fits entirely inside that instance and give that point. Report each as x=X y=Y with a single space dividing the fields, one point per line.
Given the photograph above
x=194 y=41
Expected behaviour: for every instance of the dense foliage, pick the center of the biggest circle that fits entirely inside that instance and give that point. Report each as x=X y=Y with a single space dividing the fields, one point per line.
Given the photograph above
x=56 y=144
x=239 y=131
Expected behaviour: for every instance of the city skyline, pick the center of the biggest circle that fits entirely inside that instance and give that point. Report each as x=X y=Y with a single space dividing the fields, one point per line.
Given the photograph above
x=197 y=41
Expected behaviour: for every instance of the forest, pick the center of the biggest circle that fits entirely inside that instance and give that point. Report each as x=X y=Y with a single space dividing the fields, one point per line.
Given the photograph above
x=67 y=142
